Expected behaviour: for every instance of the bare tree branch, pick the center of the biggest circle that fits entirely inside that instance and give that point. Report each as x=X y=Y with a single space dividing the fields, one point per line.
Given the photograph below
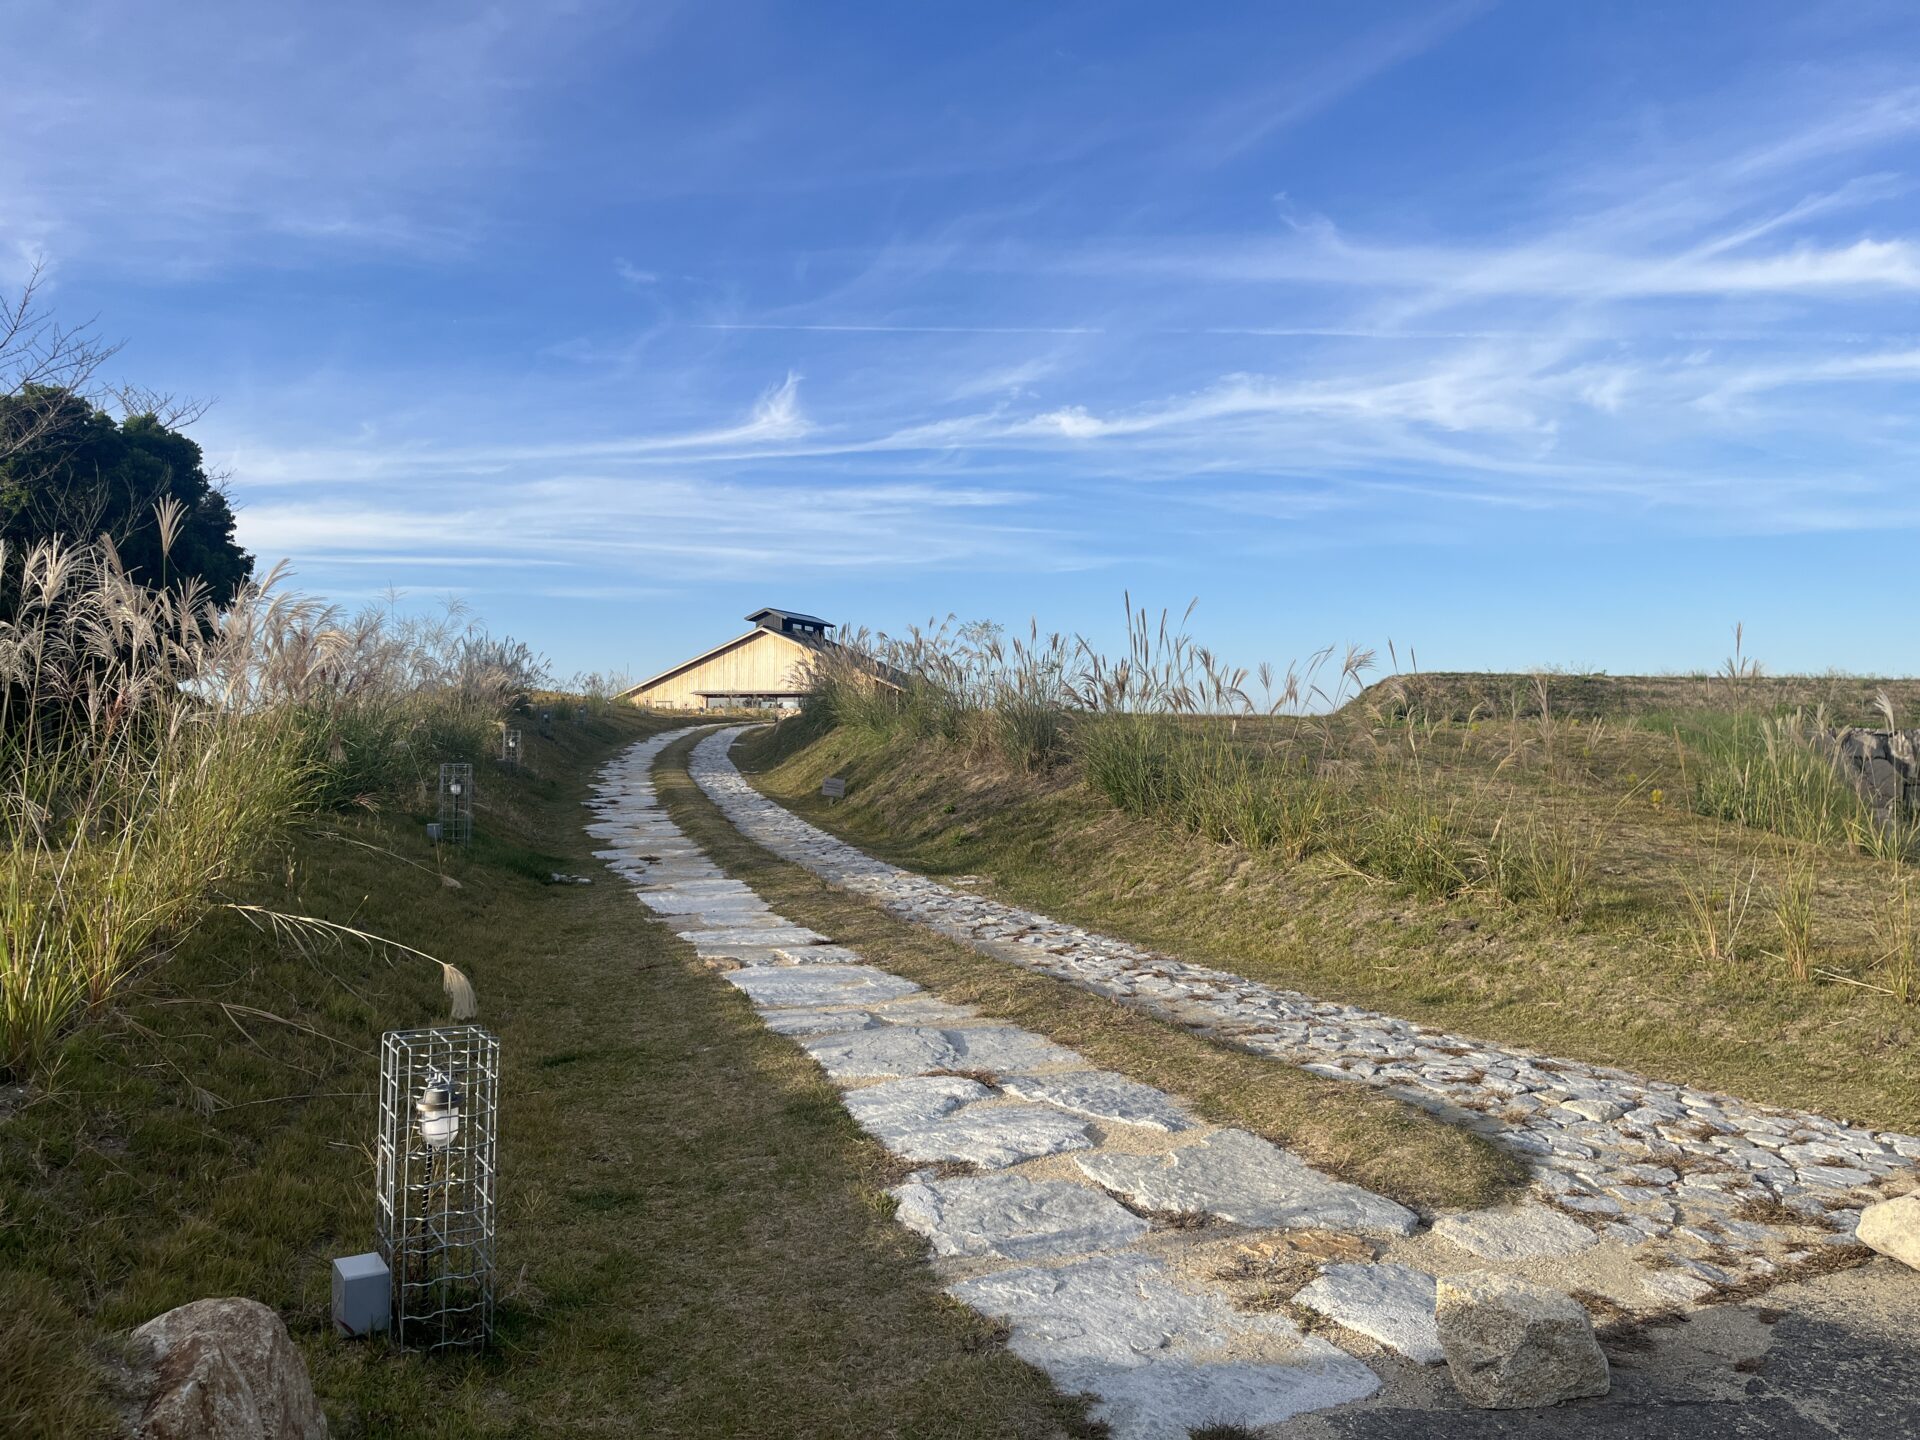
x=176 y=412
x=36 y=351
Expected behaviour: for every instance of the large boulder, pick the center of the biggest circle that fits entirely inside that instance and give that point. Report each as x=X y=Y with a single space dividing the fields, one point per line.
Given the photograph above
x=223 y=1370
x=1893 y=1228
x=1511 y=1344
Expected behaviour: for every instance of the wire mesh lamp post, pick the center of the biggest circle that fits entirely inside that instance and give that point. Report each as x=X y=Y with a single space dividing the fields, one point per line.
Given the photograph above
x=437 y=1181
x=510 y=747
x=456 y=803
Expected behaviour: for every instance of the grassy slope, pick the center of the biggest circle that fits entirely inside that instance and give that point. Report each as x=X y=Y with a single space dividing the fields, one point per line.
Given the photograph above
x=1458 y=696
x=1620 y=987
x=1357 y=1134
x=693 y=1240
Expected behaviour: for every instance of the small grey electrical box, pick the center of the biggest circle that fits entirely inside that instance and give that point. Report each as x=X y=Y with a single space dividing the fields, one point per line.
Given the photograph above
x=362 y=1294
x=433 y=831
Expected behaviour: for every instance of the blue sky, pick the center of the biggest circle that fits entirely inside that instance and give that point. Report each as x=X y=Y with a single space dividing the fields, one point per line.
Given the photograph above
x=1522 y=334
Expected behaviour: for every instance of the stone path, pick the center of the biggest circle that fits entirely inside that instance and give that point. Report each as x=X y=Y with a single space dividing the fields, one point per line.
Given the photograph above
x=1101 y=1297
x=1690 y=1181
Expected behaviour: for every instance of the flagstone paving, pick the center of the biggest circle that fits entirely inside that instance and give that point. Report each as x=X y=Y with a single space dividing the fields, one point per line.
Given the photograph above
x=1393 y=1304
x=1015 y=1218
x=1162 y=1350
x=1595 y=1138
x=1071 y=1228
x=1242 y=1178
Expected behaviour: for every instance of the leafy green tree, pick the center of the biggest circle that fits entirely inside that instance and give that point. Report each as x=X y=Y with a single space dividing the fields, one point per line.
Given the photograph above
x=68 y=469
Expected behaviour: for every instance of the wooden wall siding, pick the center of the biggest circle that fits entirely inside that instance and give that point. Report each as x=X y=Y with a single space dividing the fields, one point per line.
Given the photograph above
x=764 y=663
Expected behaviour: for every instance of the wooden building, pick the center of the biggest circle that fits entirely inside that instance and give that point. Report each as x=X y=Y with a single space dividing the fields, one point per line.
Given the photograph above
x=766 y=668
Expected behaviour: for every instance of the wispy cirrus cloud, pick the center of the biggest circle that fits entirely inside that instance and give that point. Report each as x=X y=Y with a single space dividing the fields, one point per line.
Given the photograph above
x=668 y=527
x=775 y=417
x=523 y=299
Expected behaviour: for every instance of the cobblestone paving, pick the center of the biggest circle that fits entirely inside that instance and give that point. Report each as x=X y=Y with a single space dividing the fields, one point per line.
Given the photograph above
x=1666 y=1169
x=1094 y=1293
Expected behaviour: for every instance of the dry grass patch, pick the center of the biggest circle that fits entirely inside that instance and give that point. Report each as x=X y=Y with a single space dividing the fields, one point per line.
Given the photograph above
x=1345 y=1129
x=1621 y=986
x=694 y=1236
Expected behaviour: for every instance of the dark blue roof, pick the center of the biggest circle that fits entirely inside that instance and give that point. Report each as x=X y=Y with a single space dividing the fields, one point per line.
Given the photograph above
x=757 y=616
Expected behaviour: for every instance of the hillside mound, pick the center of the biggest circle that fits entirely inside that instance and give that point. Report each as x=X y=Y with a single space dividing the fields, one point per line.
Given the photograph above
x=1463 y=695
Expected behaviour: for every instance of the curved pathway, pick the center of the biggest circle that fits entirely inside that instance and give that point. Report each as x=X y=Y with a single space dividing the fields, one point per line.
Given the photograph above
x=1699 y=1179
x=1095 y=1294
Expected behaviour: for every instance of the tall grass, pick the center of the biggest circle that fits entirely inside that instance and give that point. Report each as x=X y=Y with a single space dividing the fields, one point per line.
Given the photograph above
x=1163 y=728
x=1792 y=903
x=964 y=684
x=139 y=776
x=381 y=697
x=1897 y=939
x=1316 y=762
x=153 y=750
x=1717 y=910
x=1774 y=772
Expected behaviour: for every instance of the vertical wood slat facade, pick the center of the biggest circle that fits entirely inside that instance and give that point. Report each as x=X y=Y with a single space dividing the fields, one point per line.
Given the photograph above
x=767 y=667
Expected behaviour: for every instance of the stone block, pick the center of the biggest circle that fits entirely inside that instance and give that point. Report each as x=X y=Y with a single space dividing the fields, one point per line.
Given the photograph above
x=1511 y=1344
x=1525 y=1232
x=1892 y=1227
x=223 y=1370
x=1389 y=1303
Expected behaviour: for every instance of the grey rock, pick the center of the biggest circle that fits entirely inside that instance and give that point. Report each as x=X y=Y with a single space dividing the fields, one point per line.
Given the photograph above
x=821 y=985
x=1102 y=1095
x=1162 y=1360
x=1592 y=1204
x=1598 y=1110
x=1892 y=1227
x=223 y=1370
x=833 y=1020
x=1003 y=1049
x=775 y=934
x=1389 y=1303
x=917 y=1049
x=1242 y=1178
x=892 y=1050
x=1015 y=1218
x=1525 y=1232
x=817 y=954
x=917 y=1100
x=991 y=1136
x=1511 y=1344
x=1675 y=1287
x=1563 y=1117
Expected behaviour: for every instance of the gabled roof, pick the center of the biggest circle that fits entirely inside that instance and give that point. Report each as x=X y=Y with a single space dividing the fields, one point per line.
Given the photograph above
x=757 y=616
x=799 y=642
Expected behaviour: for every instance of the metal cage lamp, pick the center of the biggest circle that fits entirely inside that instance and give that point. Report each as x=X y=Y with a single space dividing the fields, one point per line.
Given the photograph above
x=438 y=1183
x=456 y=803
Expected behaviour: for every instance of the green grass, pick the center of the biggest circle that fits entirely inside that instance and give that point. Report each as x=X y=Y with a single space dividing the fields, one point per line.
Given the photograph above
x=1765 y=772
x=693 y=1235
x=1459 y=697
x=1350 y=1131
x=1617 y=981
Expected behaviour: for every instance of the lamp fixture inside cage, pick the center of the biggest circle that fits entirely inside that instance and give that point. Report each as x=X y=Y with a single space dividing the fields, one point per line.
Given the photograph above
x=438 y=1182
x=439 y=1110
x=456 y=803
x=510 y=747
